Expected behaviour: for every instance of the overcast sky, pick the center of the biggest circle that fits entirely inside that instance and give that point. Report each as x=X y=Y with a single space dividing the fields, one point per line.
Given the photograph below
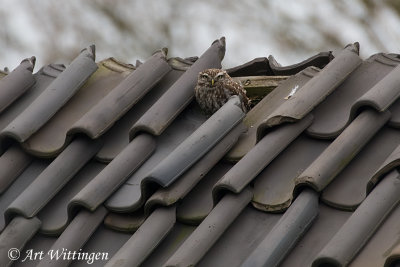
x=129 y=30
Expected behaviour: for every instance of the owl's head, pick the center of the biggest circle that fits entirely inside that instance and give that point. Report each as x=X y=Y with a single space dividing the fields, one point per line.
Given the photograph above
x=211 y=77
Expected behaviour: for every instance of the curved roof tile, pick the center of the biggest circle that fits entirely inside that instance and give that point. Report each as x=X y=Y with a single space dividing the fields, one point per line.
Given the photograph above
x=53 y=98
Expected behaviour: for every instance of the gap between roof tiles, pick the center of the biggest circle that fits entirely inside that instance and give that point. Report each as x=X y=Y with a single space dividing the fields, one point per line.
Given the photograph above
x=254 y=118
x=314 y=91
x=116 y=65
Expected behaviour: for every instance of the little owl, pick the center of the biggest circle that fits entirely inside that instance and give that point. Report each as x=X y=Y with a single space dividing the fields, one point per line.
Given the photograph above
x=214 y=88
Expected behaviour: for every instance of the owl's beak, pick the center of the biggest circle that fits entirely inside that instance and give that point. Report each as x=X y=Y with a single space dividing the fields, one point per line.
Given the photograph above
x=212 y=82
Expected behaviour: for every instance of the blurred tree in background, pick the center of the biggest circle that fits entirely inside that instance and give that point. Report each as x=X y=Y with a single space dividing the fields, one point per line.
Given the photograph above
x=55 y=31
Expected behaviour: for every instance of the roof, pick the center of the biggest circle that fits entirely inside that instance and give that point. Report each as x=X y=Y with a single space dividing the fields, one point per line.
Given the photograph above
x=117 y=159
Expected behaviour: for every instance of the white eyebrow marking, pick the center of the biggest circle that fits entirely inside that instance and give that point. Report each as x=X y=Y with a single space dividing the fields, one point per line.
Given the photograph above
x=219 y=73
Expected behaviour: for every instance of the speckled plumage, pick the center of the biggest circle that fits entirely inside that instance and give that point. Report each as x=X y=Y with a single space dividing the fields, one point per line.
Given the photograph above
x=214 y=88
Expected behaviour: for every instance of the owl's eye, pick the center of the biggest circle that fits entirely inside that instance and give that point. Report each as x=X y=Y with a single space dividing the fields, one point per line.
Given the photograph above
x=204 y=76
x=219 y=76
